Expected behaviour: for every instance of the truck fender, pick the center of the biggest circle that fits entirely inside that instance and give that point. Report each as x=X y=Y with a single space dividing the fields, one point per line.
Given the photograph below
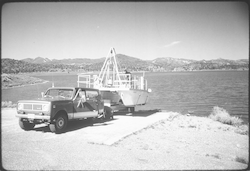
x=60 y=112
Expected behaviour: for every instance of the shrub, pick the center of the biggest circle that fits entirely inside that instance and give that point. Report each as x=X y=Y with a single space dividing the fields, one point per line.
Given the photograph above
x=221 y=115
x=241 y=160
x=8 y=104
x=242 y=129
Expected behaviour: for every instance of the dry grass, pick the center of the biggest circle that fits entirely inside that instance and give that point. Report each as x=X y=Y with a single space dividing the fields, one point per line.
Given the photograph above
x=242 y=129
x=241 y=160
x=221 y=115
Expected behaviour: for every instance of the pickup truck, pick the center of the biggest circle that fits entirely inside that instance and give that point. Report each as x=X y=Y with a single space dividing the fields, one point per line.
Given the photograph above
x=60 y=105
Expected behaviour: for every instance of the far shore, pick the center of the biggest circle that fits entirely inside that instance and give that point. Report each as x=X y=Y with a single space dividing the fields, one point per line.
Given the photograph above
x=97 y=72
x=24 y=79
x=24 y=85
x=19 y=80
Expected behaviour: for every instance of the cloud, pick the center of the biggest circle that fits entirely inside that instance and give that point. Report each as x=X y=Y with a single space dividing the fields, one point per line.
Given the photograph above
x=172 y=44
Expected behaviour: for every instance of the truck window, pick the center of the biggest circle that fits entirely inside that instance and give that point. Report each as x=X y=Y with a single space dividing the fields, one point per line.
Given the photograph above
x=92 y=95
x=66 y=93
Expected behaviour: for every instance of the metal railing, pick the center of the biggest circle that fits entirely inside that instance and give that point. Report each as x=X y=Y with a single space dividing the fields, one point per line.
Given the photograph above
x=125 y=81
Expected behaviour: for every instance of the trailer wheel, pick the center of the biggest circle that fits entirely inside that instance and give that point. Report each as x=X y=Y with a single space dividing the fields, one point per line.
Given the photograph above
x=131 y=109
x=108 y=113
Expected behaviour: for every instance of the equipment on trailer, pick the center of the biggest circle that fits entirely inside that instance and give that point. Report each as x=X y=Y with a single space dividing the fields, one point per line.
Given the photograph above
x=119 y=89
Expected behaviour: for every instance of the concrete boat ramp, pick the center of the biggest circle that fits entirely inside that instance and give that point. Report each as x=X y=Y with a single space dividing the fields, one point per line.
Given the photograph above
x=113 y=131
x=100 y=132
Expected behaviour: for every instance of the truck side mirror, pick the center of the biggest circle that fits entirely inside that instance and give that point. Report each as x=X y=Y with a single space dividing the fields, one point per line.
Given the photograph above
x=98 y=97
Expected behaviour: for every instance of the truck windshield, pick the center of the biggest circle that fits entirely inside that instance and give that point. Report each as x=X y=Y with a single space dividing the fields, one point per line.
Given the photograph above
x=59 y=93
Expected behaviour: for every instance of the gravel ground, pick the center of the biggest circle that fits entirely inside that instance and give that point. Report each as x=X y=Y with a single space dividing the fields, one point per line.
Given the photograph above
x=174 y=142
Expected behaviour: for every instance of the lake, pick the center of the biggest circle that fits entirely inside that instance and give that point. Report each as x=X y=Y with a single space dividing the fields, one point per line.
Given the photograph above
x=184 y=92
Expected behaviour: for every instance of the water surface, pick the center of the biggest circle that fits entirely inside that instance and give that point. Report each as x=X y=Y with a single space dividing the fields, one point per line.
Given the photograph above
x=185 y=92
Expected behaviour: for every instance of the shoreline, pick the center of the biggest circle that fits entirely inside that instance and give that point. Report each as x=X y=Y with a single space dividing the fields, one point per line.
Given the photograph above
x=240 y=129
x=239 y=125
x=4 y=88
x=90 y=72
x=11 y=89
x=8 y=105
x=34 y=74
x=19 y=80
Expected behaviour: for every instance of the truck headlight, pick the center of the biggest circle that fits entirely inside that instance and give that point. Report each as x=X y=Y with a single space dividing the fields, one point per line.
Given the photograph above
x=20 y=106
x=45 y=107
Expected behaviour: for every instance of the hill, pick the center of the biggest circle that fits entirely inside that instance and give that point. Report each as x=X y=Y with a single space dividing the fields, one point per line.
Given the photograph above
x=37 y=60
x=161 y=64
x=218 y=64
x=20 y=66
x=168 y=63
x=69 y=61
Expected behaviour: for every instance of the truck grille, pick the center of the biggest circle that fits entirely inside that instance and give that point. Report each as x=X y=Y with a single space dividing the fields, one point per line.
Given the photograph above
x=37 y=107
x=32 y=107
x=27 y=106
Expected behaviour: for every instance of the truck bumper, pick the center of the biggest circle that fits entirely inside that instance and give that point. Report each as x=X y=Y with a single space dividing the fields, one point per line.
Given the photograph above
x=33 y=116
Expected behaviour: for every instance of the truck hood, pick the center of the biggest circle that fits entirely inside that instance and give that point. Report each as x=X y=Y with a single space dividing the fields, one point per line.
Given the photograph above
x=44 y=99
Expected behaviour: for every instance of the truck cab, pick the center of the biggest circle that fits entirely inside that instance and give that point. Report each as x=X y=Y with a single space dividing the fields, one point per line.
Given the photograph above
x=59 y=105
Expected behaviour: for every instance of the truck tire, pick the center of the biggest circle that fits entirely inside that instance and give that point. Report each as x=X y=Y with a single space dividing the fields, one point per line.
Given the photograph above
x=108 y=113
x=25 y=125
x=59 y=125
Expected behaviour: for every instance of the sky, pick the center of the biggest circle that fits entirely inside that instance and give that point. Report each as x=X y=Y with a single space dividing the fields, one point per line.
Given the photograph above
x=145 y=30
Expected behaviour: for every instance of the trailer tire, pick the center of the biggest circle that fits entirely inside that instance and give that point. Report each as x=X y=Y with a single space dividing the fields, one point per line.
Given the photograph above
x=131 y=109
x=108 y=113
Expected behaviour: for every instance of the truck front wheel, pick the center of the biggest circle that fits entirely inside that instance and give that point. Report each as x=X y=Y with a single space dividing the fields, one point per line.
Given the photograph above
x=25 y=125
x=59 y=125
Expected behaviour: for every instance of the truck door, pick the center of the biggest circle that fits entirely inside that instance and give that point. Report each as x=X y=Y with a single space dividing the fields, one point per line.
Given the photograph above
x=81 y=106
x=100 y=102
x=92 y=100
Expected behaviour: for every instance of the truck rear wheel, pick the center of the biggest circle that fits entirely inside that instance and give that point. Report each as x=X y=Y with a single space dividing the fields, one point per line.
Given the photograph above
x=25 y=125
x=59 y=125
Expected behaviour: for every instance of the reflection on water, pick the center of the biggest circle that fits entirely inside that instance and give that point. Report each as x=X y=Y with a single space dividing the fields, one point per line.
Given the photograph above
x=185 y=92
x=198 y=92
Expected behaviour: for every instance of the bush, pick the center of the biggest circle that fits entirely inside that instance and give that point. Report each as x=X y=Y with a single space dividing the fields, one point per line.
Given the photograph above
x=242 y=129
x=8 y=104
x=221 y=115
x=241 y=160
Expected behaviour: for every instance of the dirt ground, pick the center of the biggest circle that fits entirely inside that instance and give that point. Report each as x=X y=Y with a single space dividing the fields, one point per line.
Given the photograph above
x=189 y=142
x=175 y=142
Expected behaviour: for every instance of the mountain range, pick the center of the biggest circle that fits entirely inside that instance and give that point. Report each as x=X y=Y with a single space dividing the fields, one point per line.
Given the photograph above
x=161 y=64
x=75 y=61
x=158 y=64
